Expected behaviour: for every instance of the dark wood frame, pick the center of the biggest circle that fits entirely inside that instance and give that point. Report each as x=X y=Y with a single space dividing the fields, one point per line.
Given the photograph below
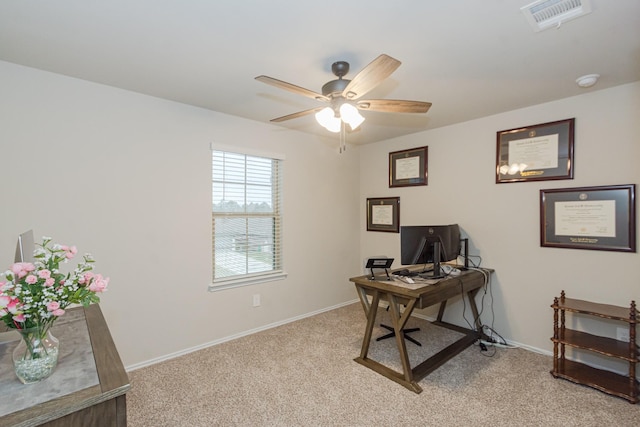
x=625 y=218
x=423 y=159
x=563 y=129
x=394 y=202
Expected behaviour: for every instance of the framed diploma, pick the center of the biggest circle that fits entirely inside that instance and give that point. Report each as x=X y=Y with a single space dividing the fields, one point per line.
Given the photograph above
x=408 y=167
x=600 y=218
x=535 y=153
x=383 y=214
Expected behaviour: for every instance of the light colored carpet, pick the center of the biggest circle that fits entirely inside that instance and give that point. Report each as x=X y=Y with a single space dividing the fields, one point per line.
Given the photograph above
x=303 y=374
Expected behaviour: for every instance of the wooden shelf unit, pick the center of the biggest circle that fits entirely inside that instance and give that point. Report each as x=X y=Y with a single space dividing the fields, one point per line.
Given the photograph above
x=624 y=386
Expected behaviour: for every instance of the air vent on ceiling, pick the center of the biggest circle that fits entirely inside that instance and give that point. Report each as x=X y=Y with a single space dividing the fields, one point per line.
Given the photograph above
x=543 y=14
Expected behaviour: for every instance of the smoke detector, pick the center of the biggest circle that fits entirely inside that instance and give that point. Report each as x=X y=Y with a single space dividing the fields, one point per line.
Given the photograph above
x=543 y=14
x=588 y=80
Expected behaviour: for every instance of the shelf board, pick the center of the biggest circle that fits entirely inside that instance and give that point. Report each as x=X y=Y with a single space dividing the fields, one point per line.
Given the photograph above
x=598 y=344
x=596 y=309
x=605 y=381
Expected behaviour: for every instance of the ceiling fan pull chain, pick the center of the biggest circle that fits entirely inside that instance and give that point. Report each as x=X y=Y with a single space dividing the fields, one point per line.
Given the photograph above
x=343 y=137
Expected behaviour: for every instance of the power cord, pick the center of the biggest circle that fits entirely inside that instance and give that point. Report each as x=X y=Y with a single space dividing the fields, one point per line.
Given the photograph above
x=491 y=337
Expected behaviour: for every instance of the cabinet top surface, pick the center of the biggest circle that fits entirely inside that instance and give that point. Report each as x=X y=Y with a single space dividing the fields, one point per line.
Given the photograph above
x=626 y=314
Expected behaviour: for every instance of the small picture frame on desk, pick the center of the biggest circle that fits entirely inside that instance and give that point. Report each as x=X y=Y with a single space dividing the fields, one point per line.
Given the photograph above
x=383 y=214
x=540 y=152
x=598 y=218
x=408 y=167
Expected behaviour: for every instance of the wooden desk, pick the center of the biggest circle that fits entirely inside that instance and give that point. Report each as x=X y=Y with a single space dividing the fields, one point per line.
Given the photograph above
x=468 y=283
x=87 y=388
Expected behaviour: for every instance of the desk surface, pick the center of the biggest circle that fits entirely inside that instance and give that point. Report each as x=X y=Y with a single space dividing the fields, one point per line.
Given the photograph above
x=429 y=293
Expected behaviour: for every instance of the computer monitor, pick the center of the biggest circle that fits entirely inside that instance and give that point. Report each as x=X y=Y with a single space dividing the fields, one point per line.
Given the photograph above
x=25 y=247
x=423 y=244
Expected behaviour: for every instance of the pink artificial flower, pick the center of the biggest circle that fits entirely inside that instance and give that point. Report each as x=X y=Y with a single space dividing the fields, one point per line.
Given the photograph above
x=13 y=306
x=49 y=282
x=44 y=274
x=3 y=312
x=21 y=269
x=85 y=278
x=53 y=305
x=31 y=279
x=99 y=283
x=59 y=312
x=69 y=251
x=19 y=317
x=4 y=301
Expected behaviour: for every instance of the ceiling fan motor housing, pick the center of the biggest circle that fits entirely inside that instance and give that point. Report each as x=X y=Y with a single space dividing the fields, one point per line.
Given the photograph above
x=335 y=87
x=339 y=69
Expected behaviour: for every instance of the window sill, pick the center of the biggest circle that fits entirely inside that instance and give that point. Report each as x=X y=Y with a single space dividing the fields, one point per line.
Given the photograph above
x=246 y=281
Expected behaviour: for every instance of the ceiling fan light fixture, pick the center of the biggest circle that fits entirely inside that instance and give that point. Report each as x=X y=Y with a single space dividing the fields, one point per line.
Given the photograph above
x=350 y=115
x=327 y=118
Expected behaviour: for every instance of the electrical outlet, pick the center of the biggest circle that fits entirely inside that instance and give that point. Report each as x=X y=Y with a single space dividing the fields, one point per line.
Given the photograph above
x=256 y=300
x=622 y=334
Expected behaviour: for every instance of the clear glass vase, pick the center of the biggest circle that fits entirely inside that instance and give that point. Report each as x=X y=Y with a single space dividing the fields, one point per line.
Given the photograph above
x=36 y=356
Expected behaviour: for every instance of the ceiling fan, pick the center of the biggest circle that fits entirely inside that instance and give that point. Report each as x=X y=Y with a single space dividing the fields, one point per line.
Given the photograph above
x=344 y=96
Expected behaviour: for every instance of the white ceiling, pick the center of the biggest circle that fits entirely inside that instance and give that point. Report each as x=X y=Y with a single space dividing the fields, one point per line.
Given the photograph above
x=469 y=58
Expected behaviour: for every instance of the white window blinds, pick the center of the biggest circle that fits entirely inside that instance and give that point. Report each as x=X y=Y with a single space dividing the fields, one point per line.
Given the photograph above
x=247 y=222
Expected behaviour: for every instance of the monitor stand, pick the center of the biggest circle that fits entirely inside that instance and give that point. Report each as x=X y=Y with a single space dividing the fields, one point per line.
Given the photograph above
x=437 y=271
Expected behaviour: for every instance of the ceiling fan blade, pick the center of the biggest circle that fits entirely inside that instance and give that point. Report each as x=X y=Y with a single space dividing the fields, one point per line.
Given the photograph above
x=296 y=115
x=371 y=76
x=292 y=88
x=393 y=106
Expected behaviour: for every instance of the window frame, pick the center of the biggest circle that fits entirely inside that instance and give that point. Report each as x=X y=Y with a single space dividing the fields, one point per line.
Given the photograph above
x=250 y=278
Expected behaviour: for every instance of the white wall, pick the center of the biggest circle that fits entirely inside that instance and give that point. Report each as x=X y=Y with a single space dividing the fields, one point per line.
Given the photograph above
x=127 y=177
x=502 y=220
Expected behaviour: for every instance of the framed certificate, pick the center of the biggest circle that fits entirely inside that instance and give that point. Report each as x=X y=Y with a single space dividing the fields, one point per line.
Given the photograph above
x=601 y=218
x=535 y=153
x=408 y=167
x=383 y=214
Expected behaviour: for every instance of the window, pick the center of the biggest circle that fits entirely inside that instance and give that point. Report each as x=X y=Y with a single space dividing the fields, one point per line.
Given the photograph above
x=247 y=221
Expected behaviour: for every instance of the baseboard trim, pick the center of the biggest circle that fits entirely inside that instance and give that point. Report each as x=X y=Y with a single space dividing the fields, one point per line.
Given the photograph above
x=170 y=356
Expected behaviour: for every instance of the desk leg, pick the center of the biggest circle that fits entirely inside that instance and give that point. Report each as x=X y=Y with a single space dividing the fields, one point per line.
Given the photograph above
x=471 y=296
x=370 y=311
x=443 y=305
x=399 y=322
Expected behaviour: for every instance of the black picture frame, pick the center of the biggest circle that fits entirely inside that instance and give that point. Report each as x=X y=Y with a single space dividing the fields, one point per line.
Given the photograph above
x=597 y=218
x=383 y=214
x=408 y=168
x=540 y=152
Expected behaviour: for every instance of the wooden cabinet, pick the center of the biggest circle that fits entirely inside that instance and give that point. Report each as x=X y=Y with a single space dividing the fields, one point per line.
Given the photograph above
x=624 y=386
x=65 y=399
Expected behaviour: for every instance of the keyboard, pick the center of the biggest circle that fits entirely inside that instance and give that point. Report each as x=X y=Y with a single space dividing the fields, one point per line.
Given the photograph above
x=407 y=273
